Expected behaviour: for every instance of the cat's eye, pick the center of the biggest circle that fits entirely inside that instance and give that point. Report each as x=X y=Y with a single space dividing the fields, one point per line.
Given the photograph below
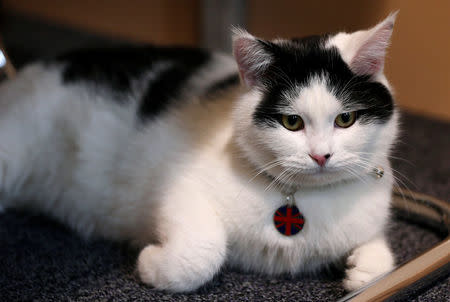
x=345 y=120
x=292 y=122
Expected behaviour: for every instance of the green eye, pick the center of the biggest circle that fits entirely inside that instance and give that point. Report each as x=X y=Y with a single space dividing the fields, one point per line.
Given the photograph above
x=345 y=120
x=292 y=122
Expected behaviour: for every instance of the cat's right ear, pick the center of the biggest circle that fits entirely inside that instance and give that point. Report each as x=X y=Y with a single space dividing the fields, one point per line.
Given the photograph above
x=251 y=57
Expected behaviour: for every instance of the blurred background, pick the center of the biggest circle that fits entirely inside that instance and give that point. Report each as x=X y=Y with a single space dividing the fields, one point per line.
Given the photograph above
x=418 y=63
x=43 y=262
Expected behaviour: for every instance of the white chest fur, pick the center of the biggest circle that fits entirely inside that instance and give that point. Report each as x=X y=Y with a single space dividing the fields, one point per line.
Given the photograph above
x=337 y=218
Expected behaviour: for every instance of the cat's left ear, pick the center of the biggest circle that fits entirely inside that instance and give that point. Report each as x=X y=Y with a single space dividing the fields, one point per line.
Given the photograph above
x=251 y=57
x=365 y=51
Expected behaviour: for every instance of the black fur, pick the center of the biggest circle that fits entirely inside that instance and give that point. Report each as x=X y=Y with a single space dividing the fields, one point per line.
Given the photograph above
x=115 y=68
x=163 y=90
x=304 y=58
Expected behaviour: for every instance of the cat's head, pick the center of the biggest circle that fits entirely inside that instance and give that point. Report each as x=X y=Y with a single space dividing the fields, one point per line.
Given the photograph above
x=319 y=109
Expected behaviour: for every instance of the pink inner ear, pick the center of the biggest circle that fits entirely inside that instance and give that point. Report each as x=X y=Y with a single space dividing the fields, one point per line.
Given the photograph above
x=369 y=59
x=241 y=51
x=251 y=59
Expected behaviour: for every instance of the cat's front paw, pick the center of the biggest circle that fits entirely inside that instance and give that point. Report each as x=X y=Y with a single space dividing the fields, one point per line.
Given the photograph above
x=151 y=268
x=164 y=270
x=366 y=263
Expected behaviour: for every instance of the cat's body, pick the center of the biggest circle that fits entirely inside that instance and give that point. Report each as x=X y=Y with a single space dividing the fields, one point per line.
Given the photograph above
x=164 y=148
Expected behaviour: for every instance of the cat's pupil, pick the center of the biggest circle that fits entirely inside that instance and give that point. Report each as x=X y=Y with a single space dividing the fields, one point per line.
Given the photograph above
x=345 y=117
x=292 y=119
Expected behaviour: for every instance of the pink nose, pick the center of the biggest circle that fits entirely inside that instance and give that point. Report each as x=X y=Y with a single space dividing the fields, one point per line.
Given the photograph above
x=321 y=160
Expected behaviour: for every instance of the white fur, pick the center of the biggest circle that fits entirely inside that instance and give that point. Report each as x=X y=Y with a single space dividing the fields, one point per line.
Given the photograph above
x=362 y=266
x=187 y=186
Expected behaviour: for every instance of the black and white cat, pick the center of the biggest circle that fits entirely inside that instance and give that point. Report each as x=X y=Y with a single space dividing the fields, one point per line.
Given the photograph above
x=163 y=147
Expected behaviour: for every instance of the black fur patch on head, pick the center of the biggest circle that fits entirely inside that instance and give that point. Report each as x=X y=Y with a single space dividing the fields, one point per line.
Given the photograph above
x=297 y=61
x=116 y=68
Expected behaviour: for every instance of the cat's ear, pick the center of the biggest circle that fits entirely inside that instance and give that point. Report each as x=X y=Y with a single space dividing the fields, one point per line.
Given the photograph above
x=365 y=51
x=251 y=57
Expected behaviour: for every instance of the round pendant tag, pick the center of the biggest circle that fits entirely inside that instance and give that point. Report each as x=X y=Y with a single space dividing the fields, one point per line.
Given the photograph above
x=288 y=220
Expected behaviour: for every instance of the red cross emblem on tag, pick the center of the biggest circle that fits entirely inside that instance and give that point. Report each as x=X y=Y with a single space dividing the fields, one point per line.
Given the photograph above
x=288 y=220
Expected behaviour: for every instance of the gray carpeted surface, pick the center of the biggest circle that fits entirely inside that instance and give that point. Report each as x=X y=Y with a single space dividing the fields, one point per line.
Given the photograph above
x=41 y=260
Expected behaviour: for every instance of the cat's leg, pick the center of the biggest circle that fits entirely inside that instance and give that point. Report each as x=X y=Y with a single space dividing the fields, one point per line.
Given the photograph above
x=193 y=246
x=367 y=262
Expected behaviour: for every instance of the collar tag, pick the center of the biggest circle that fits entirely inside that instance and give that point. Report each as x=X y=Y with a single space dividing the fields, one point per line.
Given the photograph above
x=288 y=219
